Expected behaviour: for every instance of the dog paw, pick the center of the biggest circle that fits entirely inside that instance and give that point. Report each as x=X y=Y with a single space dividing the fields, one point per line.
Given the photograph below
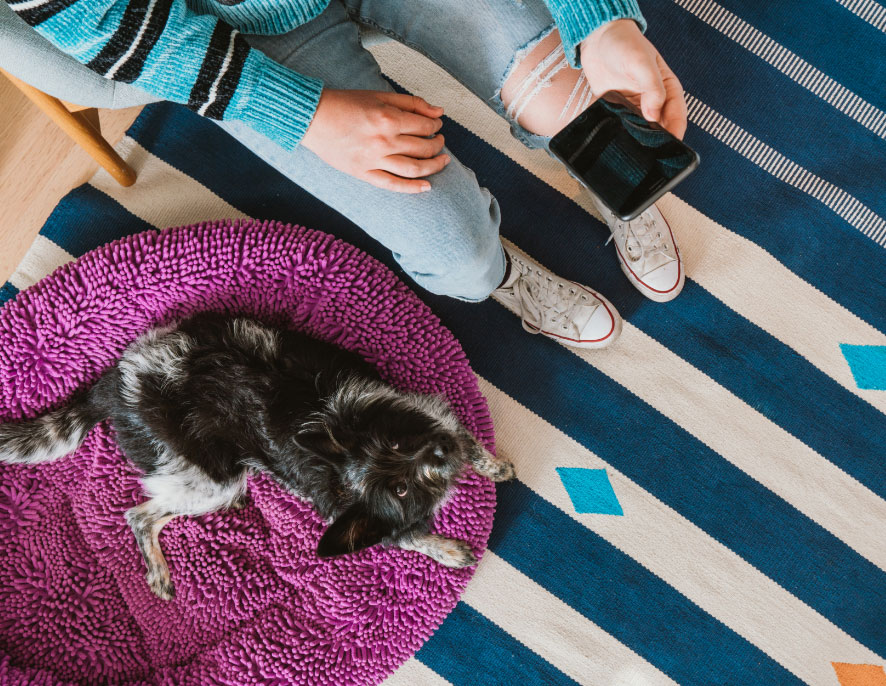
x=161 y=586
x=455 y=554
x=502 y=470
x=492 y=467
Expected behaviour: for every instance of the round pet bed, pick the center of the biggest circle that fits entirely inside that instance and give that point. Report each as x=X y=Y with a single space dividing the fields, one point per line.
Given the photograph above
x=254 y=604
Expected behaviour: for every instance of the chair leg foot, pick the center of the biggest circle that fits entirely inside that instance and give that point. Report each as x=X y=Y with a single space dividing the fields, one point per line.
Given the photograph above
x=83 y=127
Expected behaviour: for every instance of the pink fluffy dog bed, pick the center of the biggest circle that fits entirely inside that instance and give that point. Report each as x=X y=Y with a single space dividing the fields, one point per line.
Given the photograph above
x=254 y=604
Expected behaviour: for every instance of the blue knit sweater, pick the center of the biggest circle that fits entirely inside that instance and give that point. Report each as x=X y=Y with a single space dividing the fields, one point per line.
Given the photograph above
x=201 y=59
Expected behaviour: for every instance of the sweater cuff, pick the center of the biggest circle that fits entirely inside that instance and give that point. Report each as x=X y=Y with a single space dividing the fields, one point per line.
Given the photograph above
x=282 y=102
x=578 y=19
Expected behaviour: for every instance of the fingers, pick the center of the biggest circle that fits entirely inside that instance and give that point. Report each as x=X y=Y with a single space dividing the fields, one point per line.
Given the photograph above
x=411 y=103
x=413 y=146
x=417 y=124
x=412 y=168
x=674 y=113
x=389 y=182
x=652 y=91
x=413 y=115
x=404 y=174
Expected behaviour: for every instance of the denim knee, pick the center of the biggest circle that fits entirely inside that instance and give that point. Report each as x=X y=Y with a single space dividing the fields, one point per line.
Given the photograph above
x=462 y=256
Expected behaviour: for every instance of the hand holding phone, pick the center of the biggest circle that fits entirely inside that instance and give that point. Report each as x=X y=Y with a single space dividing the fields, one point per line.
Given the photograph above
x=626 y=161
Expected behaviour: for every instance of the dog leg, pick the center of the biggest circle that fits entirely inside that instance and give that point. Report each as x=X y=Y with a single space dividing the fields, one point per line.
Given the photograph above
x=447 y=551
x=495 y=468
x=239 y=502
x=146 y=521
x=177 y=488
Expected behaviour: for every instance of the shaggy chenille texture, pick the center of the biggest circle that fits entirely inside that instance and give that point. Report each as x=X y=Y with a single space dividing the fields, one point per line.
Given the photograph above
x=254 y=604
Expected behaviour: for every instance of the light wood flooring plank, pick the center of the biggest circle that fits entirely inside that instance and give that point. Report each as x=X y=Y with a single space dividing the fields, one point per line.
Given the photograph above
x=38 y=165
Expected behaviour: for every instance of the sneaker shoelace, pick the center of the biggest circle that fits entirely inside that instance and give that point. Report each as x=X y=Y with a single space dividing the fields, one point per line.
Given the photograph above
x=547 y=303
x=641 y=233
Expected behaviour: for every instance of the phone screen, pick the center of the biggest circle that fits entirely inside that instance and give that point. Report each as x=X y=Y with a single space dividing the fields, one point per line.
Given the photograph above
x=625 y=160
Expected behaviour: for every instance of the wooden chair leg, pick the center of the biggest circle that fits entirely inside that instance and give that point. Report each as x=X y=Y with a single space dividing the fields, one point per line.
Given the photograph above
x=79 y=126
x=89 y=115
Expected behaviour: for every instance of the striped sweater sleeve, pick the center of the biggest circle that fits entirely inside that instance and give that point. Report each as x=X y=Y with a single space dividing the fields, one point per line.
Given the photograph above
x=164 y=48
x=578 y=19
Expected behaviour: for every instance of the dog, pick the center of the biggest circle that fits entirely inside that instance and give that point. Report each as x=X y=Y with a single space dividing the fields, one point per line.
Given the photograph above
x=199 y=404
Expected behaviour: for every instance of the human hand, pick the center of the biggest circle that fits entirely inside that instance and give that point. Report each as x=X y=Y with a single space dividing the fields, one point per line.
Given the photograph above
x=378 y=137
x=617 y=57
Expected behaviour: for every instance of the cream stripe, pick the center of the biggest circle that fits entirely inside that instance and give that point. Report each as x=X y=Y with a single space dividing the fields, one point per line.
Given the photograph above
x=743 y=436
x=165 y=196
x=42 y=258
x=737 y=271
x=757 y=286
x=868 y=10
x=414 y=673
x=552 y=629
x=790 y=64
x=671 y=547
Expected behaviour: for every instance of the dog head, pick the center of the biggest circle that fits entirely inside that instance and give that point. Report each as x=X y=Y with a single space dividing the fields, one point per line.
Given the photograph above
x=396 y=457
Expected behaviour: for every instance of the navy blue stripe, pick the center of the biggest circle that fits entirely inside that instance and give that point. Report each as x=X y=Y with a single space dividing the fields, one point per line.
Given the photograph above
x=469 y=650
x=799 y=231
x=758 y=368
x=87 y=218
x=755 y=96
x=751 y=363
x=7 y=293
x=675 y=467
x=622 y=597
x=825 y=34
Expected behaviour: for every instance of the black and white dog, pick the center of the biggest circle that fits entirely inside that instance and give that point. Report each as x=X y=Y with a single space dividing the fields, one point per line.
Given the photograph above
x=198 y=404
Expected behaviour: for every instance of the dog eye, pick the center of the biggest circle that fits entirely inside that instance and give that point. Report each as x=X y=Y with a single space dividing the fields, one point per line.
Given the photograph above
x=401 y=489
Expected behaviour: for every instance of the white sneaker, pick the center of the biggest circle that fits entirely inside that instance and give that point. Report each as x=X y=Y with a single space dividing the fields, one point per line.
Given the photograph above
x=647 y=253
x=563 y=310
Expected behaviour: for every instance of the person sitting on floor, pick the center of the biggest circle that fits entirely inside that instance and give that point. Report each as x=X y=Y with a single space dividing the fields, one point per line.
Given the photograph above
x=291 y=80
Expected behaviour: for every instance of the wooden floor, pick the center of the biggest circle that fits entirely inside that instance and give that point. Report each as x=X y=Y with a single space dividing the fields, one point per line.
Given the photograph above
x=38 y=165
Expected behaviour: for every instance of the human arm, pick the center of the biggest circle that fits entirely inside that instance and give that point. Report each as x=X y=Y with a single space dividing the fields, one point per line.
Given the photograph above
x=169 y=51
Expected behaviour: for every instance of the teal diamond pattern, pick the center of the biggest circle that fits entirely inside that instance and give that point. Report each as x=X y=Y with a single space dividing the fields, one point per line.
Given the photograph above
x=590 y=490
x=868 y=365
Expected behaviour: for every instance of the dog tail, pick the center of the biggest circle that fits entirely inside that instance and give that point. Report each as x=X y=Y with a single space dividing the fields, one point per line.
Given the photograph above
x=51 y=436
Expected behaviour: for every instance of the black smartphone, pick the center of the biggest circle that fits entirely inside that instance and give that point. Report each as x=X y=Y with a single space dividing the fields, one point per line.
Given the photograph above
x=626 y=161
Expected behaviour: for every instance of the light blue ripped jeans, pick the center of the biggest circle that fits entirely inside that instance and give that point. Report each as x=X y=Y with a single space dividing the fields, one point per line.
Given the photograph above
x=447 y=239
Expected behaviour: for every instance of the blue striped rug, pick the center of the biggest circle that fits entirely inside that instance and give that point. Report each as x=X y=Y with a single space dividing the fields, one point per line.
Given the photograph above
x=705 y=502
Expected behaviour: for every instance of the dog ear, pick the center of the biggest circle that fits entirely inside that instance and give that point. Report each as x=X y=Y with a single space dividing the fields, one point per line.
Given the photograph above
x=318 y=439
x=354 y=530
